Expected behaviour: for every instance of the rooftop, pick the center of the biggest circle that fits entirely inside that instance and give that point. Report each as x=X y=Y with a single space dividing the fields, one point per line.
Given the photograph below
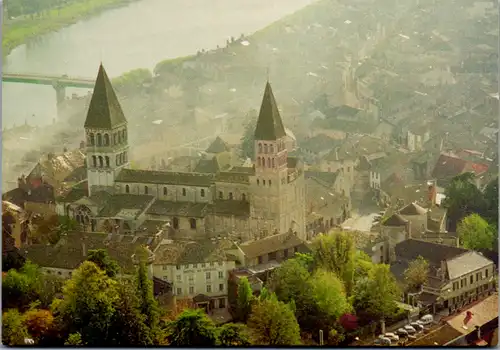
x=164 y=177
x=253 y=249
x=193 y=252
x=269 y=124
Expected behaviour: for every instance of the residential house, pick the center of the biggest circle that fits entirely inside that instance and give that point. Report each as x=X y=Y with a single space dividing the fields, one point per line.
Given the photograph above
x=314 y=148
x=449 y=165
x=198 y=270
x=15 y=225
x=72 y=249
x=263 y=255
x=33 y=195
x=415 y=136
x=456 y=277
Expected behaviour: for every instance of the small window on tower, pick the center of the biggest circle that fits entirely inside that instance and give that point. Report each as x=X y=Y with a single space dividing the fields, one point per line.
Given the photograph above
x=274 y=165
x=106 y=140
x=258 y=181
x=117 y=160
x=260 y=147
x=184 y=192
x=115 y=138
x=268 y=162
x=272 y=148
x=146 y=189
x=165 y=191
x=107 y=161
x=92 y=139
x=230 y=195
x=243 y=197
x=259 y=161
x=94 y=161
x=101 y=162
x=270 y=183
x=221 y=195
x=202 y=192
x=99 y=140
x=265 y=149
x=264 y=182
x=127 y=189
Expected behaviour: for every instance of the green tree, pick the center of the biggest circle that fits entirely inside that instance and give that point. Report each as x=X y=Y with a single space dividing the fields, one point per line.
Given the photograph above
x=128 y=327
x=362 y=265
x=88 y=304
x=192 y=328
x=416 y=274
x=147 y=302
x=244 y=299
x=335 y=252
x=289 y=281
x=74 y=339
x=376 y=295
x=20 y=288
x=14 y=330
x=475 y=233
x=491 y=199
x=101 y=258
x=133 y=81
x=329 y=294
x=462 y=198
x=273 y=323
x=232 y=334
x=248 y=139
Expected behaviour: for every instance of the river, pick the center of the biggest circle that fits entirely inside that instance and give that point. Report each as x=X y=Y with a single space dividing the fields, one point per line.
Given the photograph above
x=137 y=36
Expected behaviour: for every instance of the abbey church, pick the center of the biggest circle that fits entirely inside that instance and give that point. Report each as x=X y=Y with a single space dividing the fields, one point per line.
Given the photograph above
x=243 y=202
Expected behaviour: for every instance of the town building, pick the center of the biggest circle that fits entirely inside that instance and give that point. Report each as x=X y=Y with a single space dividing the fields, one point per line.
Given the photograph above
x=250 y=202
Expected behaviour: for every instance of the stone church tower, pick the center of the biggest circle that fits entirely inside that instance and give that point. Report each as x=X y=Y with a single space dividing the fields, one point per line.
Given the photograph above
x=278 y=200
x=106 y=135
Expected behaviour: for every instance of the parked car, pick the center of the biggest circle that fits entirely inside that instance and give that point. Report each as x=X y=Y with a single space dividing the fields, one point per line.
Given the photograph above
x=391 y=336
x=418 y=327
x=426 y=319
x=401 y=332
x=382 y=341
x=410 y=329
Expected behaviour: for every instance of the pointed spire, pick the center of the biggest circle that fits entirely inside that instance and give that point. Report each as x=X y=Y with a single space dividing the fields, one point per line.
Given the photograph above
x=269 y=125
x=104 y=111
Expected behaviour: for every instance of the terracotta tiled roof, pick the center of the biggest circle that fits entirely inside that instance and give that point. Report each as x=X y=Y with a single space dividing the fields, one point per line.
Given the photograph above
x=270 y=244
x=193 y=252
x=413 y=209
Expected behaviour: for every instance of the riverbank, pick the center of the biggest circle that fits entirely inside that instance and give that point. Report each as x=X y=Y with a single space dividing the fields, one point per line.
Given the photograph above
x=18 y=32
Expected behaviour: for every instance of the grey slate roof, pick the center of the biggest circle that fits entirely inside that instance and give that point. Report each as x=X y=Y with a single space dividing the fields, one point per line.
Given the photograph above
x=218 y=146
x=271 y=244
x=164 y=177
x=269 y=124
x=193 y=252
x=413 y=209
x=105 y=112
x=327 y=178
x=434 y=253
x=118 y=202
x=232 y=207
x=208 y=166
x=395 y=220
x=170 y=208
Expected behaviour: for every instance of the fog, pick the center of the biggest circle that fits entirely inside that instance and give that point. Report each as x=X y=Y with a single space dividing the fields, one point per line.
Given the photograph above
x=322 y=50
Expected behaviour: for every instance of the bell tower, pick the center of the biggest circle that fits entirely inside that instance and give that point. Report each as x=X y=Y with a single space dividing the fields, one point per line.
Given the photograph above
x=107 y=136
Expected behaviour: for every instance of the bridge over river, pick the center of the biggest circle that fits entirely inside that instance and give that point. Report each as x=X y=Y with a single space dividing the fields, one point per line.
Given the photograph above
x=59 y=83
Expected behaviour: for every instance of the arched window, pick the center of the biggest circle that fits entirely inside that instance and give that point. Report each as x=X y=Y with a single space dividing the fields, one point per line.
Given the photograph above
x=184 y=192
x=230 y=195
x=115 y=138
x=124 y=135
x=99 y=140
x=107 y=161
x=243 y=197
x=268 y=162
x=94 y=161
x=272 y=148
x=121 y=158
x=117 y=160
x=202 y=192
x=258 y=181
x=260 y=147
x=101 y=162
x=265 y=148
x=125 y=158
x=92 y=139
x=165 y=191
x=259 y=162
x=106 y=140
x=127 y=189
x=221 y=195
x=264 y=182
x=119 y=137
x=270 y=183
x=146 y=189
x=175 y=223
x=274 y=165
x=192 y=223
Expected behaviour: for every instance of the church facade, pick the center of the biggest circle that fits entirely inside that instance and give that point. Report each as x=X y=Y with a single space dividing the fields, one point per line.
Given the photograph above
x=241 y=202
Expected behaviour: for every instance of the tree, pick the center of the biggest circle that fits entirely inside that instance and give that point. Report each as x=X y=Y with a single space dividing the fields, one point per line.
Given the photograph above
x=335 y=252
x=362 y=265
x=192 y=328
x=147 y=302
x=273 y=323
x=74 y=339
x=417 y=273
x=289 y=281
x=475 y=233
x=88 y=304
x=20 y=288
x=244 y=299
x=462 y=198
x=232 y=334
x=377 y=294
x=491 y=199
x=39 y=323
x=101 y=258
x=128 y=327
x=328 y=293
x=248 y=139
x=13 y=328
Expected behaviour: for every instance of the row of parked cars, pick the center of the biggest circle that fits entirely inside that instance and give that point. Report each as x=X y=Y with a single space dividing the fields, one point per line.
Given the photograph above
x=406 y=333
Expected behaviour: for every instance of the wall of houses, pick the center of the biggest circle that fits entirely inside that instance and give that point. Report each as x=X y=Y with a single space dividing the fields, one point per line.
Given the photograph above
x=210 y=279
x=176 y=193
